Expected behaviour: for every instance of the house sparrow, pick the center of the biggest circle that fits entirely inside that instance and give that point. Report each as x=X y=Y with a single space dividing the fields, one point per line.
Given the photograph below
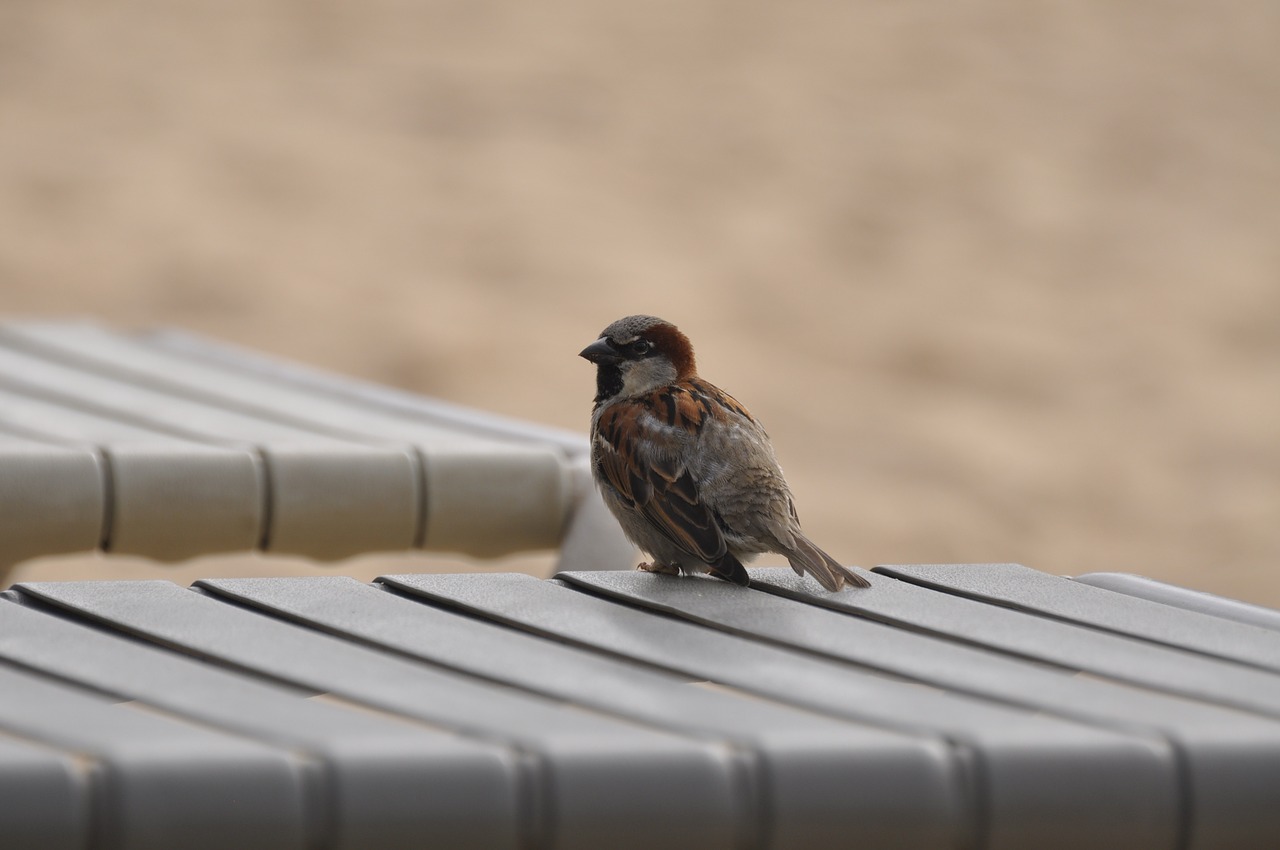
x=688 y=472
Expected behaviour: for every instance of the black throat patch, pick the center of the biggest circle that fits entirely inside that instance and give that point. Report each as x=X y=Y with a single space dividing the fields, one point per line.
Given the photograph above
x=608 y=382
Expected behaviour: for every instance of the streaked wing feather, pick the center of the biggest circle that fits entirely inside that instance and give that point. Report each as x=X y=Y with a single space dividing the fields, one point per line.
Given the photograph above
x=688 y=524
x=657 y=485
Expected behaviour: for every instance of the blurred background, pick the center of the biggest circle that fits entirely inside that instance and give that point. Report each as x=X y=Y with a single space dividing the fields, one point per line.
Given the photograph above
x=1002 y=279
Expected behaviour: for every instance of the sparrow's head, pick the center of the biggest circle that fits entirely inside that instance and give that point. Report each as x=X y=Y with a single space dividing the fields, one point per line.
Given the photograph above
x=637 y=355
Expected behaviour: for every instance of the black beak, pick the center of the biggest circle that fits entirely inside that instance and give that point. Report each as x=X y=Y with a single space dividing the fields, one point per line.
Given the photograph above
x=601 y=353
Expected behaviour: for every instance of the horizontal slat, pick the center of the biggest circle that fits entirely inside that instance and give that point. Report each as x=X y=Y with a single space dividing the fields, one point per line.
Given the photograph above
x=385 y=783
x=1014 y=585
x=330 y=498
x=46 y=798
x=1025 y=635
x=820 y=780
x=484 y=495
x=163 y=783
x=1230 y=758
x=361 y=393
x=1182 y=597
x=166 y=497
x=53 y=498
x=1073 y=777
x=594 y=781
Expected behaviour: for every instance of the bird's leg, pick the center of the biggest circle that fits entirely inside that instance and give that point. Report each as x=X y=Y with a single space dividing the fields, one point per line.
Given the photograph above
x=661 y=569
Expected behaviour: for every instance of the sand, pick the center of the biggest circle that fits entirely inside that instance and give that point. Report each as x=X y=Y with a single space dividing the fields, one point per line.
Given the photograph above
x=1001 y=279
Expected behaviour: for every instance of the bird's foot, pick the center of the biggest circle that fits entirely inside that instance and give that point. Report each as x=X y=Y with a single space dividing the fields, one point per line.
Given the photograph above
x=660 y=569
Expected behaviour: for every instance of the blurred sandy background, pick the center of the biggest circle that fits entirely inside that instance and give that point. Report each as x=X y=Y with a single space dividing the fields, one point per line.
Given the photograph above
x=1001 y=278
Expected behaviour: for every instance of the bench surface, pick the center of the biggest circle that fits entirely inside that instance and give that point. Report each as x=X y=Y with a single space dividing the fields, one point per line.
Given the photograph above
x=167 y=445
x=947 y=706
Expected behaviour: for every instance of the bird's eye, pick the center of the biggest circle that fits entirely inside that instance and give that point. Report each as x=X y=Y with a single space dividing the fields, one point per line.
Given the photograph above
x=641 y=347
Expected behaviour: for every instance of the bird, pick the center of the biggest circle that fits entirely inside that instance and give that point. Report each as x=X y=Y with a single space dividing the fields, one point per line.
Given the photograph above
x=689 y=473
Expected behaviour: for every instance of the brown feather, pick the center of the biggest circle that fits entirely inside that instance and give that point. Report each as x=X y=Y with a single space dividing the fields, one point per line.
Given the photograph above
x=731 y=569
x=675 y=346
x=806 y=557
x=663 y=491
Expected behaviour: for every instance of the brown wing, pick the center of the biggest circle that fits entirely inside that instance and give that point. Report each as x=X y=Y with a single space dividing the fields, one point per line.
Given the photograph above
x=637 y=455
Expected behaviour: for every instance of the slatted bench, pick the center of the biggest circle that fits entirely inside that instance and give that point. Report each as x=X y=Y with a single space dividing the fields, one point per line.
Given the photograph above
x=948 y=706
x=958 y=706
x=169 y=445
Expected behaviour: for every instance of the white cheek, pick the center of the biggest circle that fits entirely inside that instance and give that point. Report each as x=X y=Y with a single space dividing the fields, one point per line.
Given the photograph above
x=646 y=375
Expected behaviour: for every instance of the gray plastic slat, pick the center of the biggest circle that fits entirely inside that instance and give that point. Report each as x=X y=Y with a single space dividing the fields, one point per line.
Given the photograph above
x=1020 y=587
x=350 y=390
x=164 y=783
x=170 y=498
x=1232 y=759
x=331 y=498
x=386 y=783
x=485 y=495
x=45 y=796
x=592 y=539
x=126 y=358
x=1182 y=597
x=594 y=780
x=1126 y=659
x=820 y=780
x=52 y=499
x=1045 y=783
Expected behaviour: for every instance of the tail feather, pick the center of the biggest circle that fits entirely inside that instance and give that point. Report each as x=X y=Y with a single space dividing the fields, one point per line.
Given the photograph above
x=730 y=568
x=808 y=558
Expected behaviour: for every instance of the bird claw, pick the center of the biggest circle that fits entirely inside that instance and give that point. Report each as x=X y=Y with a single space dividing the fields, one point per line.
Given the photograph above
x=660 y=569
